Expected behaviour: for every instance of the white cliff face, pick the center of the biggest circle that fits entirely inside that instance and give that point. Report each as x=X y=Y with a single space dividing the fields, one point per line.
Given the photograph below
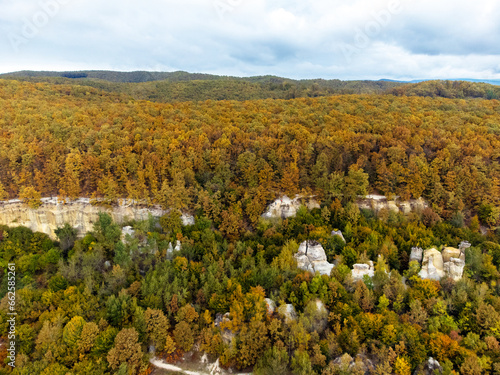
x=380 y=202
x=80 y=214
x=285 y=207
x=311 y=257
x=436 y=265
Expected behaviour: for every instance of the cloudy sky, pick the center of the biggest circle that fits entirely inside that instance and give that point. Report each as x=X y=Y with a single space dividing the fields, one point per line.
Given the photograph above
x=345 y=39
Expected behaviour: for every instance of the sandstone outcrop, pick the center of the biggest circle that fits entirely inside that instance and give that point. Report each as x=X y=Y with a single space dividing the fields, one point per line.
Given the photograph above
x=359 y=270
x=380 y=202
x=285 y=207
x=80 y=214
x=432 y=265
x=454 y=268
x=436 y=265
x=311 y=257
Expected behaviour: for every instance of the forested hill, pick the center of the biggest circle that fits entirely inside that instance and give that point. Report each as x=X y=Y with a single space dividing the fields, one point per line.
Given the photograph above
x=183 y=86
x=237 y=156
x=448 y=89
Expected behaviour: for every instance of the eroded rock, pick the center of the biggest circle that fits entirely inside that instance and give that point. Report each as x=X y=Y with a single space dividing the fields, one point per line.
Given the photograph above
x=430 y=367
x=436 y=265
x=380 y=202
x=311 y=257
x=285 y=207
x=80 y=214
x=127 y=231
x=432 y=265
x=450 y=252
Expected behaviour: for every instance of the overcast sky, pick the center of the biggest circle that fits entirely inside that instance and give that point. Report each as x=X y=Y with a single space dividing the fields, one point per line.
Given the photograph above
x=345 y=39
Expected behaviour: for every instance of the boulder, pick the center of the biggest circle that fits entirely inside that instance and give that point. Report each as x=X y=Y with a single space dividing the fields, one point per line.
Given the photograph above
x=359 y=270
x=80 y=214
x=338 y=233
x=311 y=257
x=416 y=254
x=432 y=265
x=450 y=252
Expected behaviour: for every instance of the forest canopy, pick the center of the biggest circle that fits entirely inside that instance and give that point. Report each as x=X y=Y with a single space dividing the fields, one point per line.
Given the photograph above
x=109 y=302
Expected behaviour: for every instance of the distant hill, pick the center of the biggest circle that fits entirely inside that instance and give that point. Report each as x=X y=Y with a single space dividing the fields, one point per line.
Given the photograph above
x=183 y=86
x=448 y=89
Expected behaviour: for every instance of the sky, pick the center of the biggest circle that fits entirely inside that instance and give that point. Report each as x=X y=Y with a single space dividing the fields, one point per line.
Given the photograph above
x=343 y=39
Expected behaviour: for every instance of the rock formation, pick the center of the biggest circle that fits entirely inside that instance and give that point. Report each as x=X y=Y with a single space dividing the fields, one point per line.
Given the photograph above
x=358 y=365
x=285 y=207
x=311 y=257
x=80 y=214
x=464 y=245
x=436 y=265
x=432 y=265
x=380 y=202
x=338 y=233
x=361 y=269
x=416 y=254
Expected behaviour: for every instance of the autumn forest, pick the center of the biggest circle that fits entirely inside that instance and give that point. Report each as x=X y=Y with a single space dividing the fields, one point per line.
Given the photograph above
x=106 y=303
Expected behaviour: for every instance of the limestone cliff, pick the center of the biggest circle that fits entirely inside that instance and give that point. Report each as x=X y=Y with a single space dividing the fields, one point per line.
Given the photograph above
x=80 y=214
x=285 y=207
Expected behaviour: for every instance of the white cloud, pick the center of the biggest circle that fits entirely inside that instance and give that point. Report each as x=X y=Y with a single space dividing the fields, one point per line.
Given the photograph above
x=293 y=38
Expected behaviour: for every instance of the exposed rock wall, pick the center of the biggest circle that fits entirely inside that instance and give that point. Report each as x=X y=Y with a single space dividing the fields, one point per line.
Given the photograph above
x=380 y=202
x=80 y=214
x=285 y=207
